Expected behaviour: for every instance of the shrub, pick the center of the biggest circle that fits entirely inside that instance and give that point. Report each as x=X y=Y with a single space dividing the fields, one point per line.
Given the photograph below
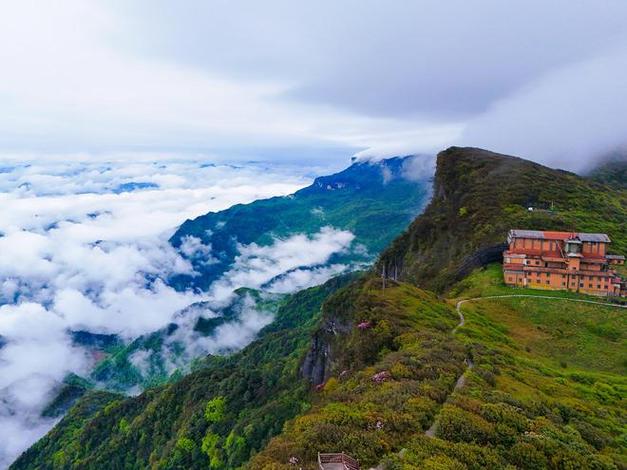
x=185 y=444
x=526 y=456
x=460 y=426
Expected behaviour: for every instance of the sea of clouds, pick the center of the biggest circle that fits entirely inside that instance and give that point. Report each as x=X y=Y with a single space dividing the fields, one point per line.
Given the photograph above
x=83 y=247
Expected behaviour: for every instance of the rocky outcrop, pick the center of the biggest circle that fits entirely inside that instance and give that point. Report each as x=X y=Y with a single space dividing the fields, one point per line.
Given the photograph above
x=480 y=258
x=314 y=367
x=318 y=362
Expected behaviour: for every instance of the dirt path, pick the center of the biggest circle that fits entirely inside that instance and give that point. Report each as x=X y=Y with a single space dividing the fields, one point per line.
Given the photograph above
x=461 y=381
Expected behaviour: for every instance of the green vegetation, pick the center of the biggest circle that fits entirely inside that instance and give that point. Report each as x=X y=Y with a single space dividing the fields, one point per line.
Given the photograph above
x=612 y=172
x=159 y=350
x=545 y=392
x=218 y=415
x=546 y=389
x=488 y=280
x=386 y=382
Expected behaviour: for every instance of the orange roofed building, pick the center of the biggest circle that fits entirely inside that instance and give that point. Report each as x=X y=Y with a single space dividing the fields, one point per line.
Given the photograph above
x=571 y=261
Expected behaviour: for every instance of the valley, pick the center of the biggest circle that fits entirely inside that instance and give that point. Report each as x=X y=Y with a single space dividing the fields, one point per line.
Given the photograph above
x=367 y=363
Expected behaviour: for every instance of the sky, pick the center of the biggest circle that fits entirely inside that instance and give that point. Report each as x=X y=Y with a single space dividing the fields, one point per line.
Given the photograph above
x=320 y=81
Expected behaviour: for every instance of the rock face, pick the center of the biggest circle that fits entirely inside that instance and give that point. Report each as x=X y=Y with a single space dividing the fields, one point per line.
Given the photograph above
x=479 y=258
x=315 y=365
x=318 y=361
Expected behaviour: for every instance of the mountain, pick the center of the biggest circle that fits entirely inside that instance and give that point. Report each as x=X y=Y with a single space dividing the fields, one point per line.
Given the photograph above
x=375 y=201
x=253 y=391
x=164 y=355
x=478 y=197
x=381 y=367
x=612 y=170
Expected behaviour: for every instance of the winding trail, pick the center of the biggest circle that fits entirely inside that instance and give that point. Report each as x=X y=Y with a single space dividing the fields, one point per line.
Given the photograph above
x=461 y=381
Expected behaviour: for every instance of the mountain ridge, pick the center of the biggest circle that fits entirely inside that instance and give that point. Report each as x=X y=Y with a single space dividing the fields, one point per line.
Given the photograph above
x=465 y=225
x=374 y=201
x=390 y=361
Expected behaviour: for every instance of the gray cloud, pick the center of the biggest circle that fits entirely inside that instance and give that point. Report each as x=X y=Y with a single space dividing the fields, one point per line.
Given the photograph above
x=566 y=119
x=388 y=78
x=444 y=59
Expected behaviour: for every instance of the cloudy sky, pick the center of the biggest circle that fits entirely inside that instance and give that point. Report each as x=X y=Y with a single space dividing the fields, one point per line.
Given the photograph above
x=289 y=80
x=98 y=96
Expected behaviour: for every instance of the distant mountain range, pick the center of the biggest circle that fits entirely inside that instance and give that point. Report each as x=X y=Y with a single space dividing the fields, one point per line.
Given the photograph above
x=375 y=201
x=379 y=366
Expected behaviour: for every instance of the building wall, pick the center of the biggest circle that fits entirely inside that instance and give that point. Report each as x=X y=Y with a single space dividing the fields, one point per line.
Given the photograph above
x=549 y=275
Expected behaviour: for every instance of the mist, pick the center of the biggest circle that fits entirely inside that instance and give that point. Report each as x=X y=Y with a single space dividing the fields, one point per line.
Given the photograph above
x=84 y=248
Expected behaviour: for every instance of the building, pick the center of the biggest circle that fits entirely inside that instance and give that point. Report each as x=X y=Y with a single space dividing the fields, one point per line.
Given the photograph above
x=572 y=261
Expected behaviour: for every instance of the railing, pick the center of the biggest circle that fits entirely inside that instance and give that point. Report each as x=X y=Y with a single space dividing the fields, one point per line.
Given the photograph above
x=347 y=461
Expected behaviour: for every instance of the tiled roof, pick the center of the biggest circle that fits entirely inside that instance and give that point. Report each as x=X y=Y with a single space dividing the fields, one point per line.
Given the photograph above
x=549 y=235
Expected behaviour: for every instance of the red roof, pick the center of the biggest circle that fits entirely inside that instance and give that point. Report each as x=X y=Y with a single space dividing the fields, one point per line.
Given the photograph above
x=558 y=235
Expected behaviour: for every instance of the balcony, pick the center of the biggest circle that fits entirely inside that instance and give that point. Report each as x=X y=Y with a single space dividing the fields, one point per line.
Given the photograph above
x=337 y=462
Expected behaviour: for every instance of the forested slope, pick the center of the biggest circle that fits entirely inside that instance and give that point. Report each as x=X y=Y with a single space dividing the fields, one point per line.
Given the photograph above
x=366 y=366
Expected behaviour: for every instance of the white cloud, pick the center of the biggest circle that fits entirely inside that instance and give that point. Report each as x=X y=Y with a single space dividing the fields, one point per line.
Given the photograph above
x=257 y=265
x=193 y=247
x=76 y=255
x=302 y=278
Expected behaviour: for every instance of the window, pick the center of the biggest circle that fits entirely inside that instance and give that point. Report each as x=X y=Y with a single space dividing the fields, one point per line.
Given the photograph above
x=548 y=282
x=581 y=284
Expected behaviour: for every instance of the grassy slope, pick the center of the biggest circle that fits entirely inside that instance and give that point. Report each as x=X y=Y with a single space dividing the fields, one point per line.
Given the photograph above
x=546 y=390
x=480 y=195
x=583 y=335
x=409 y=341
